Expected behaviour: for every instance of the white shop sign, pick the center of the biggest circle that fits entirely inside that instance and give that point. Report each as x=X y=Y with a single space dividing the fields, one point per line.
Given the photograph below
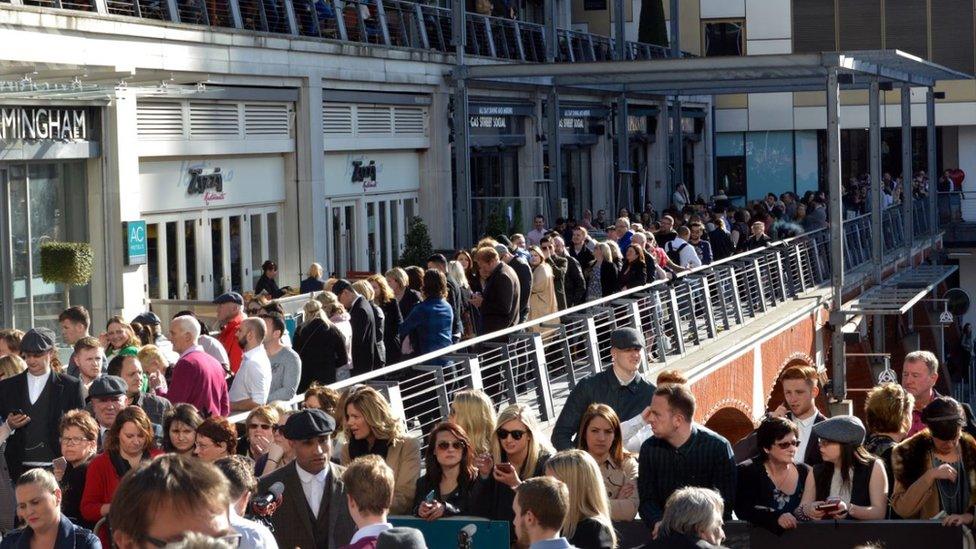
x=368 y=172
x=193 y=184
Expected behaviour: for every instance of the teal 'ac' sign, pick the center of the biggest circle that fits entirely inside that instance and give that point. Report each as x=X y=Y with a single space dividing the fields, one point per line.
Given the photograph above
x=136 y=247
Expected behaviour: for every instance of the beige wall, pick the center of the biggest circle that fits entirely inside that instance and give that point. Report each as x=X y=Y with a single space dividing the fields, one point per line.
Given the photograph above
x=598 y=22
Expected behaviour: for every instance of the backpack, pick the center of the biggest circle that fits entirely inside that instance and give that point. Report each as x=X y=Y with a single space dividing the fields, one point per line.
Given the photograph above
x=674 y=254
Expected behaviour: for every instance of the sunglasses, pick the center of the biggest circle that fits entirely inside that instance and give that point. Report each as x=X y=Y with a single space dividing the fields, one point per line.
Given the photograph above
x=264 y=426
x=516 y=434
x=253 y=311
x=457 y=445
x=786 y=445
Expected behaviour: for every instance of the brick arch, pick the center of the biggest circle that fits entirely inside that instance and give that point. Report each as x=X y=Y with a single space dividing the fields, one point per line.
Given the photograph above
x=735 y=403
x=773 y=396
x=732 y=421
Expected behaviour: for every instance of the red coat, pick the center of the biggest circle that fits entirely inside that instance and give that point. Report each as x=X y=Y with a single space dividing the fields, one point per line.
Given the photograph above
x=228 y=338
x=100 y=485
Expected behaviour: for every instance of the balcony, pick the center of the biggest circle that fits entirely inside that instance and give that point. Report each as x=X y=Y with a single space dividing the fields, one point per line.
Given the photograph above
x=387 y=23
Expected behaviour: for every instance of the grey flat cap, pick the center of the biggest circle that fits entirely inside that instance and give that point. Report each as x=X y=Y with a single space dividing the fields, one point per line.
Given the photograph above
x=401 y=537
x=502 y=249
x=308 y=423
x=844 y=429
x=626 y=338
x=105 y=386
x=37 y=340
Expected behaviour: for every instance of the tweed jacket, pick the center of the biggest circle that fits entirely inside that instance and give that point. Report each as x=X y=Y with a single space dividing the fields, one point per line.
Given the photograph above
x=294 y=525
x=404 y=459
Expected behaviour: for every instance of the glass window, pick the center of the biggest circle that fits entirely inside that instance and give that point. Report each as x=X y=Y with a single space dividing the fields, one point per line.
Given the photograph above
x=371 y=236
x=724 y=38
x=256 y=251
x=190 y=243
x=384 y=247
x=273 y=236
x=236 y=268
x=172 y=267
x=20 y=245
x=152 y=266
x=217 y=253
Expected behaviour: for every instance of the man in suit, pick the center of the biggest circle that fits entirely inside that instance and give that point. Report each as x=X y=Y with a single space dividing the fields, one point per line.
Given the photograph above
x=365 y=354
x=369 y=490
x=314 y=512
x=499 y=300
x=524 y=273
x=33 y=402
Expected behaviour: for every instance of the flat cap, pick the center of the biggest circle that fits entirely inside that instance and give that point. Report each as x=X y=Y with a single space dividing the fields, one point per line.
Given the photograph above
x=401 y=537
x=147 y=318
x=341 y=285
x=104 y=386
x=37 y=340
x=502 y=250
x=229 y=297
x=626 y=338
x=943 y=408
x=844 y=429
x=308 y=423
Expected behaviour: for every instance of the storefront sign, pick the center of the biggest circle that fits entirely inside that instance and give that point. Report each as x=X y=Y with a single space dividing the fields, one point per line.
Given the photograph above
x=364 y=173
x=188 y=185
x=494 y=110
x=36 y=123
x=493 y=122
x=211 y=185
x=136 y=243
x=636 y=124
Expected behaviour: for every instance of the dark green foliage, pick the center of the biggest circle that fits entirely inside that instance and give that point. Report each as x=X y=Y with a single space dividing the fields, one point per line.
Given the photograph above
x=418 y=247
x=69 y=263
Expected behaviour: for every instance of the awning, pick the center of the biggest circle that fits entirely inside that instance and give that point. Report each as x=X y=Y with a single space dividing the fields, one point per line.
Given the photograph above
x=899 y=293
x=68 y=82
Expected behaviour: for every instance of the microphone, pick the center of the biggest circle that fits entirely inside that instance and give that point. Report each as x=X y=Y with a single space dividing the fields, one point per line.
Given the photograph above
x=465 y=535
x=274 y=492
x=469 y=530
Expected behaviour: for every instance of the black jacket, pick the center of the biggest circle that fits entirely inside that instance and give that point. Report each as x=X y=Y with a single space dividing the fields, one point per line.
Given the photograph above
x=454 y=298
x=409 y=300
x=365 y=352
x=584 y=257
x=524 y=274
x=322 y=350
x=592 y=534
x=754 y=495
x=379 y=325
x=500 y=305
x=72 y=487
x=66 y=395
x=455 y=503
x=493 y=500
x=559 y=266
x=602 y=388
x=268 y=285
x=391 y=335
x=69 y=537
x=608 y=278
x=575 y=283
x=633 y=275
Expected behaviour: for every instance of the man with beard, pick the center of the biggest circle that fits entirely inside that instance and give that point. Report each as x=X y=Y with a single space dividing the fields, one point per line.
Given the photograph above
x=540 y=506
x=252 y=384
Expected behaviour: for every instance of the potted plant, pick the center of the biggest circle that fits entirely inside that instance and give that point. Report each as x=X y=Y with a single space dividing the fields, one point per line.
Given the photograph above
x=67 y=263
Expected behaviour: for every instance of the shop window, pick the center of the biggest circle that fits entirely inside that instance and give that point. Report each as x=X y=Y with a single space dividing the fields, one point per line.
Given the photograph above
x=723 y=38
x=730 y=163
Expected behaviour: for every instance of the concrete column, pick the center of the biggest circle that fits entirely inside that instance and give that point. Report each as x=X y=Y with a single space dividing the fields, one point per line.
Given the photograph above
x=877 y=250
x=556 y=188
x=308 y=188
x=462 y=167
x=932 y=168
x=906 y=165
x=625 y=175
x=839 y=372
x=125 y=292
x=435 y=176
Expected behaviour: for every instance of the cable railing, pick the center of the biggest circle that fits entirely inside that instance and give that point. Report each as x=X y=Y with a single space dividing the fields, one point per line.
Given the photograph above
x=537 y=363
x=390 y=23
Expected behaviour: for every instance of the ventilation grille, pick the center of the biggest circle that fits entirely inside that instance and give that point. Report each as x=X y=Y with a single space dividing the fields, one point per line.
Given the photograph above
x=813 y=26
x=214 y=120
x=373 y=121
x=266 y=119
x=159 y=120
x=195 y=120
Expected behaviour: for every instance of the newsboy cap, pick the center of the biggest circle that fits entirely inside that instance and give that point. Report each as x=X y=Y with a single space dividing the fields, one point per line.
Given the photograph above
x=104 y=386
x=844 y=429
x=229 y=297
x=37 y=340
x=308 y=423
x=147 y=318
x=626 y=338
x=401 y=537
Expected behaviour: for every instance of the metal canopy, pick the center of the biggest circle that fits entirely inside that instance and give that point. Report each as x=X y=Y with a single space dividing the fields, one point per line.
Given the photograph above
x=901 y=292
x=69 y=82
x=726 y=75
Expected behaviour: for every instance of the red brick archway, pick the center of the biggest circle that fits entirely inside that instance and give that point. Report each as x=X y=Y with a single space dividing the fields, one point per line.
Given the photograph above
x=731 y=422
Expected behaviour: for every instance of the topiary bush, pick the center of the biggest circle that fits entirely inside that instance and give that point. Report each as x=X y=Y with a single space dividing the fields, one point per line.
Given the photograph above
x=418 y=247
x=68 y=263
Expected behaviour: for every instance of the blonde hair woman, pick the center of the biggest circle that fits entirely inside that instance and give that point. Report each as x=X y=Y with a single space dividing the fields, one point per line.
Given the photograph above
x=366 y=290
x=587 y=524
x=313 y=281
x=260 y=424
x=406 y=298
x=386 y=301
x=517 y=453
x=321 y=345
x=603 y=281
x=542 y=300
x=473 y=411
x=154 y=365
x=371 y=429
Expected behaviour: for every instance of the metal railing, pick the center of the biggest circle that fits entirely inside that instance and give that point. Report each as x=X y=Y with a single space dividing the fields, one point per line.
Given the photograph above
x=537 y=363
x=391 y=23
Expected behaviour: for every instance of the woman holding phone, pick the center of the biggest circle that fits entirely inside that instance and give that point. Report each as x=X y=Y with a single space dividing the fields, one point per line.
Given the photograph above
x=443 y=491
x=517 y=453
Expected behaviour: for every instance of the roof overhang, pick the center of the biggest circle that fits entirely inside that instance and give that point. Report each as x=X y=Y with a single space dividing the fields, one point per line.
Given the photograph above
x=899 y=293
x=725 y=75
x=68 y=82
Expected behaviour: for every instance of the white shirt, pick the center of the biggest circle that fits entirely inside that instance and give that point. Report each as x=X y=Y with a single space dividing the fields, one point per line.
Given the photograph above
x=371 y=531
x=313 y=486
x=35 y=385
x=634 y=432
x=805 y=427
x=688 y=256
x=213 y=348
x=253 y=379
x=533 y=237
x=254 y=535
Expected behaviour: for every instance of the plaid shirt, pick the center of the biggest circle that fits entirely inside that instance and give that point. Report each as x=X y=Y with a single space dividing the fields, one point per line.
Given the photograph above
x=705 y=460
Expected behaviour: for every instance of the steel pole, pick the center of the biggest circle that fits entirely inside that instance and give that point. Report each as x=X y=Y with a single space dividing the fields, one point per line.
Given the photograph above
x=676 y=141
x=622 y=136
x=907 y=173
x=557 y=189
x=877 y=251
x=839 y=371
x=463 y=222
x=933 y=170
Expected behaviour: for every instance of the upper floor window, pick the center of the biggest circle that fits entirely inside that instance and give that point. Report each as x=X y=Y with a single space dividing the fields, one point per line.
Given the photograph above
x=725 y=37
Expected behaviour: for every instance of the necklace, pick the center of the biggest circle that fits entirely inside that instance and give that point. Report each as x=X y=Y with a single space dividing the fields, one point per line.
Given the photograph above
x=948 y=498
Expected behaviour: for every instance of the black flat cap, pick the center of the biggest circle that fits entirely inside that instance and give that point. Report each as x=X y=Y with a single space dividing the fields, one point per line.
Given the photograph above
x=401 y=537
x=107 y=386
x=626 y=338
x=147 y=318
x=844 y=429
x=309 y=423
x=229 y=297
x=37 y=340
x=341 y=285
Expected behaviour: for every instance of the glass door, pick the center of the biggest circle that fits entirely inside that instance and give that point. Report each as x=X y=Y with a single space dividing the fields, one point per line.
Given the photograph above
x=6 y=265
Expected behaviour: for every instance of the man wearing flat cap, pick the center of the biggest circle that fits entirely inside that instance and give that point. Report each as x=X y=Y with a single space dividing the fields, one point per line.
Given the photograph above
x=230 y=314
x=106 y=396
x=366 y=356
x=619 y=386
x=313 y=512
x=33 y=402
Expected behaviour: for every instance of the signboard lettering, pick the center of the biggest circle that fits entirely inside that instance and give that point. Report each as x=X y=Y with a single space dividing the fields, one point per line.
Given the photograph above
x=637 y=124
x=36 y=123
x=363 y=173
x=488 y=122
x=566 y=123
x=136 y=248
x=495 y=110
x=211 y=186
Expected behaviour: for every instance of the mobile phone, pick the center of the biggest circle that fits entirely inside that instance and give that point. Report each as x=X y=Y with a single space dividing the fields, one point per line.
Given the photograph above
x=430 y=497
x=60 y=463
x=829 y=507
x=505 y=467
x=17 y=411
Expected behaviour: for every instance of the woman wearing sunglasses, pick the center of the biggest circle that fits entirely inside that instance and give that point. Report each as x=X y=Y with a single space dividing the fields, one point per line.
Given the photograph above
x=770 y=487
x=443 y=491
x=517 y=454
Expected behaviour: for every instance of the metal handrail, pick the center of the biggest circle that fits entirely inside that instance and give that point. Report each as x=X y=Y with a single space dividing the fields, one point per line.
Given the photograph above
x=537 y=362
